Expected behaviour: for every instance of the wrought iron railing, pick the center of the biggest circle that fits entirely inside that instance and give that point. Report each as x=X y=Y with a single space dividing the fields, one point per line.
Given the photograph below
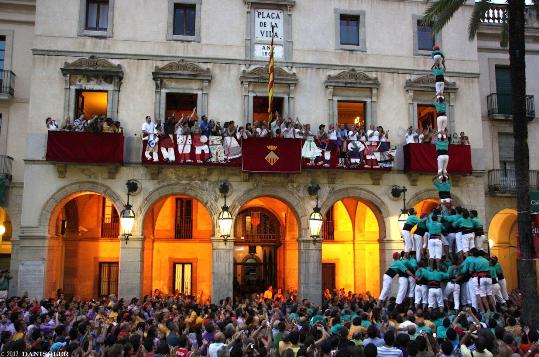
x=505 y=181
x=7 y=84
x=6 y=165
x=328 y=230
x=110 y=229
x=184 y=229
x=501 y=104
x=261 y=237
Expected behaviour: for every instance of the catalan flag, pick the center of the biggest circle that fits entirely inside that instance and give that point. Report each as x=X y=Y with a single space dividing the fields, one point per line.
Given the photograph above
x=271 y=79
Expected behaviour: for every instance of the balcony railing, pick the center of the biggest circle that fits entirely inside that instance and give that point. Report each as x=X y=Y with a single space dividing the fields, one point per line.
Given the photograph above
x=501 y=105
x=6 y=164
x=7 y=84
x=184 y=230
x=328 y=230
x=505 y=182
x=110 y=229
x=496 y=14
x=89 y=148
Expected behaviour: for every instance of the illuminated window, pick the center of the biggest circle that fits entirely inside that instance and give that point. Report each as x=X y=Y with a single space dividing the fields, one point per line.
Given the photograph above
x=91 y=103
x=426 y=117
x=178 y=104
x=110 y=222
x=183 y=278
x=351 y=113
x=328 y=228
x=260 y=107
x=184 y=218
x=108 y=278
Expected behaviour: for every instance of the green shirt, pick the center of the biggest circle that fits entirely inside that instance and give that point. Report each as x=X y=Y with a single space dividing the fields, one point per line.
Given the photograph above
x=499 y=271
x=440 y=107
x=481 y=265
x=438 y=71
x=435 y=227
x=463 y=223
x=412 y=220
x=434 y=275
x=411 y=263
x=441 y=145
x=468 y=265
x=442 y=186
x=492 y=270
x=477 y=223
x=398 y=266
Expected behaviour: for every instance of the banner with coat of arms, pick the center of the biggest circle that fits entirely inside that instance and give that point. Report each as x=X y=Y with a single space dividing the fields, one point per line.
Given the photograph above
x=271 y=155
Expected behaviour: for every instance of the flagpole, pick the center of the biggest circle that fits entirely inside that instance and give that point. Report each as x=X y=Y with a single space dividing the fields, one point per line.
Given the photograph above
x=271 y=78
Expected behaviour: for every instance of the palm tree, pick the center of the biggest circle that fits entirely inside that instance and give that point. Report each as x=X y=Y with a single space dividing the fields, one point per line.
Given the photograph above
x=437 y=15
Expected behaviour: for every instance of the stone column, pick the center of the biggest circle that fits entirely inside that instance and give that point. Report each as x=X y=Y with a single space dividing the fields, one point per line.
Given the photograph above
x=310 y=270
x=222 y=270
x=32 y=262
x=130 y=274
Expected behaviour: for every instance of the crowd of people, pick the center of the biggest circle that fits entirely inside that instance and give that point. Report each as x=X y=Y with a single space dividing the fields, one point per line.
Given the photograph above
x=95 y=124
x=345 y=324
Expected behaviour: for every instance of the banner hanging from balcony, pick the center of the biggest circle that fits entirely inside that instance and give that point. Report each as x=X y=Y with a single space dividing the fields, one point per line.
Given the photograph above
x=271 y=155
x=81 y=147
x=422 y=158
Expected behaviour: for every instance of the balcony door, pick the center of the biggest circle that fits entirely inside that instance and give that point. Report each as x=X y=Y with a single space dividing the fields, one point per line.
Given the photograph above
x=108 y=278
x=91 y=103
x=178 y=104
x=260 y=107
x=183 y=278
x=503 y=90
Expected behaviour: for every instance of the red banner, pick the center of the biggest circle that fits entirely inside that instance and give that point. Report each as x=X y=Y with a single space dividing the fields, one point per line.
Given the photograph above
x=422 y=158
x=271 y=155
x=72 y=146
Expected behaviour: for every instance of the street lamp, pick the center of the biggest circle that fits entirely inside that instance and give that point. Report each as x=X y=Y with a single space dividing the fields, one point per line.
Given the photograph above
x=397 y=191
x=315 y=219
x=127 y=216
x=225 y=217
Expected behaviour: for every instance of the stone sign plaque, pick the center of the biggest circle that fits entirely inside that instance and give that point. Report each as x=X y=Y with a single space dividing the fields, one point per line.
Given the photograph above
x=31 y=275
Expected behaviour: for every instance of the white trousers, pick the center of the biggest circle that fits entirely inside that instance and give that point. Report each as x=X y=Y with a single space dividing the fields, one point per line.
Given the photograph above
x=453 y=289
x=439 y=88
x=403 y=289
x=435 y=248
x=472 y=288
x=443 y=161
x=386 y=287
x=418 y=240
x=484 y=287
x=421 y=294
x=458 y=241
x=464 y=296
x=503 y=289
x=479 y=241
x=451 y=241
x=442 y=122
x=497 y=293
x=467 y=242
x=436 y=298
x=408 y=242
x=411 y=287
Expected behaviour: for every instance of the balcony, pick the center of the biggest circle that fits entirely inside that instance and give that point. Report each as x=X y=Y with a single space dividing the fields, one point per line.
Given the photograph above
x=500 y=106
x=6 y=164
x=85 y=148
x=504 y=182
x=7 y=84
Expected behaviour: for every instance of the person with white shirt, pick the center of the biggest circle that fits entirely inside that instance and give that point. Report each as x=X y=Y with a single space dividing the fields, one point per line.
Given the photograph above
x=410 y=137
x=149 y=134
x=372 y=134
x=288 y=132
x=51 y=124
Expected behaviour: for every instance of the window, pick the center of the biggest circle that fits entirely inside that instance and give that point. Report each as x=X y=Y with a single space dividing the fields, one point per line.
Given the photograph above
x=504 y=90
x=178 y=104
x=97 y=15
x=110 y=222
x=351 y=113
x=328 y=228
x=260 y=107
x=2 y=52
x=349 y=30
x=184 y=218
x=96 y=18
x=182 y=278
x=184 y=20
x=506 y=145
x=426 y=117
x=91 y=103
x=425 y=37
x=108 y=278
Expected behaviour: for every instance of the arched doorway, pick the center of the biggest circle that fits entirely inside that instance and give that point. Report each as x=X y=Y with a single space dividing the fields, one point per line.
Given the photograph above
x=6 y=230
x=83 y=255
x=265 y=247
x=350 y=247
x=426 y=206
x=502 y=235
x=177 y=247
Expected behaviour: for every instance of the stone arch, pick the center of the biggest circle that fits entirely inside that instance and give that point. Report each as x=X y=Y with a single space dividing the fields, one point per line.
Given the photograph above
x=425 y=194
x=174 y=189
x=289 y=198
x=66 y=193
x=367 y=197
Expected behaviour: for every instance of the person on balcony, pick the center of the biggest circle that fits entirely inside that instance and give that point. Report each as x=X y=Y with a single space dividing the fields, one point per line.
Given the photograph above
x=232 y=147
x=410 y=137
x=80 y=123
x=372 y=134
x=324 y=146
x=67 y=125
x=150 y=135
x=309 y=151
x=51 y=124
